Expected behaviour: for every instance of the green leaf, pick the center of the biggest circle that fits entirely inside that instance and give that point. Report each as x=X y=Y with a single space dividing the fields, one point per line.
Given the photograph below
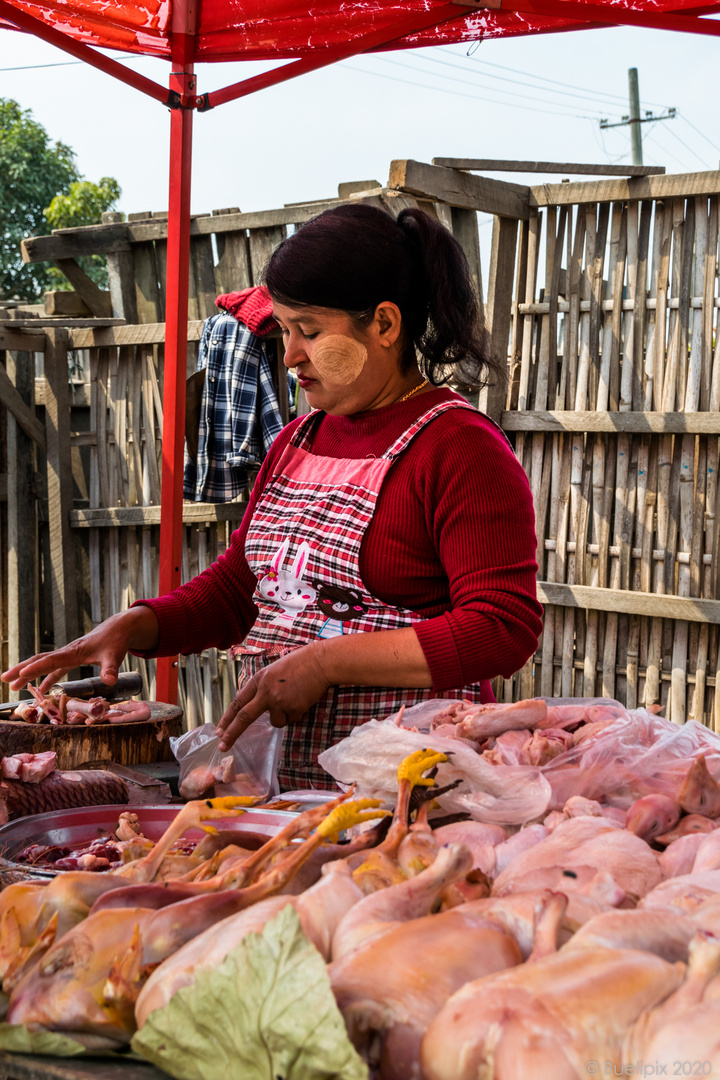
x=267 y=1013
x=18 y=1040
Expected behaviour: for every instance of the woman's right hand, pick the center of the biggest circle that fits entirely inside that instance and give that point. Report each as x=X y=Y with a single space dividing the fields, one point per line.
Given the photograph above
x=106 y=645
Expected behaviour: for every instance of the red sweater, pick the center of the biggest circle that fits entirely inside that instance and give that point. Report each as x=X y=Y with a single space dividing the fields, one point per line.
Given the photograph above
x=452 y=539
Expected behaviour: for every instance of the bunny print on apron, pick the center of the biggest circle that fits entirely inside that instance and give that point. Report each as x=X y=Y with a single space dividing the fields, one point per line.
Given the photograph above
x=303 y=545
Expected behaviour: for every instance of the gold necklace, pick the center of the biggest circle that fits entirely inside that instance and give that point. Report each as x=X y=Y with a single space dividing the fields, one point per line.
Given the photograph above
x=414 y=390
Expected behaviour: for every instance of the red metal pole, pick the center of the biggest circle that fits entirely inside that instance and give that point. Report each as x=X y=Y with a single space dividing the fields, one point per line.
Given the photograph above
x=182 y=80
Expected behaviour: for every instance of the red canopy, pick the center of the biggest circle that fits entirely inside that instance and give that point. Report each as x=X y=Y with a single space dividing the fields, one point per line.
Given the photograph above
x=275 y=29
x=192 y=31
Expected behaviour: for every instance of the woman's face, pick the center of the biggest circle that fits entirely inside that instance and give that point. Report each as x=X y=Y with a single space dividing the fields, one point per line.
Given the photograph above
x=341 y=368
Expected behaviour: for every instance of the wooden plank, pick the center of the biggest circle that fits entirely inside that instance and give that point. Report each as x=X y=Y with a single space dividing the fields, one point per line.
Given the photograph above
x=632 y=603
x=262 y=243
x=63 y=571
x=23 y=554
x=73 y=243
x=24 y=415
x=96 y=299
x=498 y=311
x=201 y=257
x=21 y=340
x=118 y=238
x=465 y=230
x=150 y=515
x=675 y=423
x=147 y=292
x=574 y=168
x=460 y=189
x=147 y=334
x=681 y=185
x=65 y=302
x=233 y=266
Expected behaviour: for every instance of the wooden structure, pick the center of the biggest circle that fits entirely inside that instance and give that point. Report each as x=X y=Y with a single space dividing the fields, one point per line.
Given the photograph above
x=602 y=294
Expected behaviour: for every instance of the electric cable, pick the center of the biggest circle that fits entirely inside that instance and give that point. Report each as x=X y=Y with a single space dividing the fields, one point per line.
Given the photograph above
x=474 y=97
x=466 y=82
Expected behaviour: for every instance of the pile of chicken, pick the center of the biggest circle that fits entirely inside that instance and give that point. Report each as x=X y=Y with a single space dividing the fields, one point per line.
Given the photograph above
x=58 y=708
x=456 y=952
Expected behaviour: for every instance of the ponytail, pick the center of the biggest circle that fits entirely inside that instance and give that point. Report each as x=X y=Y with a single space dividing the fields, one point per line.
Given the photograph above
x=451 y=342
x=355 y=256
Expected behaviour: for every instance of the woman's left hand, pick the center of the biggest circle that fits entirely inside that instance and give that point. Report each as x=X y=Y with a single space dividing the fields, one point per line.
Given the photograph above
x=286 y=689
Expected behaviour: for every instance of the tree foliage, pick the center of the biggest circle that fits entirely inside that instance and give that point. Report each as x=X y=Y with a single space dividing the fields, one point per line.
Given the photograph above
x=83 y=204
x=34 y=173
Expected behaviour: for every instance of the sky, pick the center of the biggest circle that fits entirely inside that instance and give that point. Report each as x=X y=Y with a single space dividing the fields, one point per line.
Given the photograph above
x=534 y=98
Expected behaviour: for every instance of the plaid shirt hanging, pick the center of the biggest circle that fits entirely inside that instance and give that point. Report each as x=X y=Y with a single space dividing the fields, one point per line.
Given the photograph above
x=240 y=414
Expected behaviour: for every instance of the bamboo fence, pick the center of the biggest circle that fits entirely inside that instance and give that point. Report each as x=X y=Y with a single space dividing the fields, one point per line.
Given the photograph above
x=614 y=396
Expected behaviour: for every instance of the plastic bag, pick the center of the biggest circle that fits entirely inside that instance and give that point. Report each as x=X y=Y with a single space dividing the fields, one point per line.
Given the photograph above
x=249 y=767
x=639 y=754
x=370 y=755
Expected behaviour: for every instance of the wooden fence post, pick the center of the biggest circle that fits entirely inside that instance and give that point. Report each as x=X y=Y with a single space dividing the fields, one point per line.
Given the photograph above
x=63 y=568
x=121 y=277
x=23 y=553
x=498 y=307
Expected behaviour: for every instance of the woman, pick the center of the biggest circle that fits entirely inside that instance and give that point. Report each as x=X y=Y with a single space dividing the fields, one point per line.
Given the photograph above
x=388 y=551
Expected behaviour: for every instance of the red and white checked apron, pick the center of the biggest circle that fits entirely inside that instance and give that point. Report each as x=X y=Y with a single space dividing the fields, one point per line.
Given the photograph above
x=303 y=545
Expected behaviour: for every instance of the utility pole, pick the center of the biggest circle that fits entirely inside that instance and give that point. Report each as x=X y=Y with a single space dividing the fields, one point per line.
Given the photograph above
x=634 y=120
x=635 y=129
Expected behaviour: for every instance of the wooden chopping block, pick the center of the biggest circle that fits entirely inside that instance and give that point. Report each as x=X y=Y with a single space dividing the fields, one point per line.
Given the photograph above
x=129 y=744
x=60 y=790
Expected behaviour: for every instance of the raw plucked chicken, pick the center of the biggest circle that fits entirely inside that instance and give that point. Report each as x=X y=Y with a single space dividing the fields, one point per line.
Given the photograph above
x=441 y=934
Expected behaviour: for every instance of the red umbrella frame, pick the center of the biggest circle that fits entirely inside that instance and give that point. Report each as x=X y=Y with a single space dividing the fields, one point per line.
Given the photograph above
x=186 y=32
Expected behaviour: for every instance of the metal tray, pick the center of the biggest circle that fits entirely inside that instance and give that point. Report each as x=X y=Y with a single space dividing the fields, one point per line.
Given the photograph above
x=81 y=825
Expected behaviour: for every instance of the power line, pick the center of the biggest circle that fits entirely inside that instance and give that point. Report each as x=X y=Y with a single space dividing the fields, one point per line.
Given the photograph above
x=689 y=148
x=666 y=152
x=475 y=97
x=466 y=82
x=555 y=82
x=72 y=63
x=682 y=117
x=516 y=82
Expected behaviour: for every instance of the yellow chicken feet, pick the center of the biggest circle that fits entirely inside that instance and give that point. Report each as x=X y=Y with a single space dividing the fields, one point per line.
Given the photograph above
x=190 y=817
x=379 y=868
x=345 y=816
x=412 y=768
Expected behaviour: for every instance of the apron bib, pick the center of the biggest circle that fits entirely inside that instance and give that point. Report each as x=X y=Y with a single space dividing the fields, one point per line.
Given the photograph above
x=303 y=546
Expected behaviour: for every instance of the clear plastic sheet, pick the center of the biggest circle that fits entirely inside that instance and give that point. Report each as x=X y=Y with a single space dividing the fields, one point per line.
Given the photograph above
x=249 y=767
x=370 y=757
x=637 y=753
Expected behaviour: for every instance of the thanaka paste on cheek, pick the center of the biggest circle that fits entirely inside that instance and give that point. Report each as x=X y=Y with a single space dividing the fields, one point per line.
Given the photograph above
x=339 y=359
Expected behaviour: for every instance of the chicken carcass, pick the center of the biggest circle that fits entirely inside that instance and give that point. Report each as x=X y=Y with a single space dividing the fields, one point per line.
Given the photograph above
x=699 y=792
x=678 y=857
x=662 y=931
x=574 y=848
x=652 y=816
x=482 y=721
x=411 y=899
x=686 y=1026
x=320 y=909
x=89 y=980
x=683 y=893
x=547 y=1018
x=390 y=988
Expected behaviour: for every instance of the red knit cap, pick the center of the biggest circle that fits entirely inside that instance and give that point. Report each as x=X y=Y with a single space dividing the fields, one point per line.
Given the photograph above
x=252 y=307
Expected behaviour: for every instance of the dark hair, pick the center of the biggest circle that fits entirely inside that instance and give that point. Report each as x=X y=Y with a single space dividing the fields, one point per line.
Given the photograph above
x=353 y=257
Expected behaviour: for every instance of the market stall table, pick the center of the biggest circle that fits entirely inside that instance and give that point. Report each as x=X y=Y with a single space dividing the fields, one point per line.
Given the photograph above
x=28 y=1067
